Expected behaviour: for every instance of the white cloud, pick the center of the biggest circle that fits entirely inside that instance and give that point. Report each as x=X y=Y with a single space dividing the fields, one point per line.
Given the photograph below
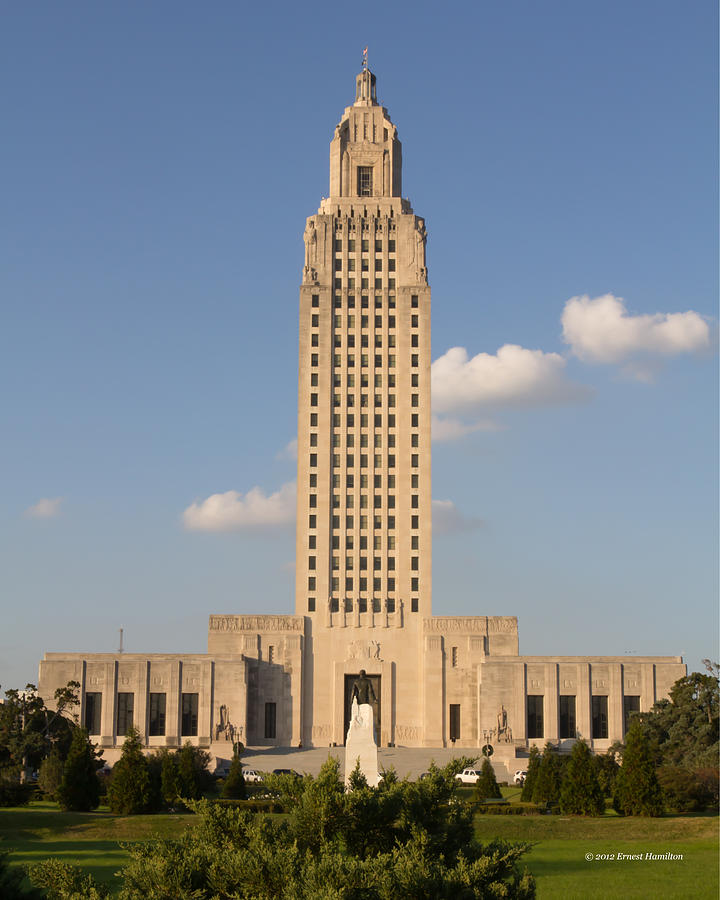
x=289 y=451
x=601 y=330
x=454 y=429
x=447 y=519
x=46 y=508
x=232 y=511
x=513 y=378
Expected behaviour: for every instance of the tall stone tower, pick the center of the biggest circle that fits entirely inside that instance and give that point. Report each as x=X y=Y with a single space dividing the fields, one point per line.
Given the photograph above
x=364 y=502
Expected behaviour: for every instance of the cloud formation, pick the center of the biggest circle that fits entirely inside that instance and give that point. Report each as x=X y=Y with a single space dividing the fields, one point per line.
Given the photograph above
x=447 y=519
x=45 y=508
x=232 y=511
x=289 y=451
x=514 y=377
x=601 y=330
x=454 y=429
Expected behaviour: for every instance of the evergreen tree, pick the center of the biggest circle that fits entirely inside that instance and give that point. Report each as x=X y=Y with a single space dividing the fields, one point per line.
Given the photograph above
x=532 y=771
x=547 y=782
x=486 y=787
x=129 y=790
x=234 y=787
x=79 y=789
x=637 y=791
x=192 y=771
x=51 y=774
x=580 y=793
x=169 y=778
x=606 y=769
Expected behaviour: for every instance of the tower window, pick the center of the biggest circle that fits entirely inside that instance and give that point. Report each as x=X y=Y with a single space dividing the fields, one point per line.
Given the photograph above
x=365 y=181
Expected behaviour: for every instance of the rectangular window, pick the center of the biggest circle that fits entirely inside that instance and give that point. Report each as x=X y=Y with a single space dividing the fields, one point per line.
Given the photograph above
x=312 y=521
x=125 y=706
x=189 y=717
x=414 y=563
x=599 y=717
x=311 y=604
x=365 y=184
x=311 y=583
x=454 y=721
x=414 y=521
x=631 y=705
x=415 y=584
x=93 y=712
x=316 y=300
x=535 y=724
x=414 y=604
x=270 y=721
x=157 y=715
x=315 y=339
x=414 y=341
x=567 y=716
x=454 y=657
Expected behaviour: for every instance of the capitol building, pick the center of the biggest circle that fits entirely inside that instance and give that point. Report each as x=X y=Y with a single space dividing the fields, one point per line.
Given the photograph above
x=363 y=582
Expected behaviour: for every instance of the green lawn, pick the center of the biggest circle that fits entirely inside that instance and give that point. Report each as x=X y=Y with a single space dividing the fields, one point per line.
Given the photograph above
x=90 y=840
x=558 y=858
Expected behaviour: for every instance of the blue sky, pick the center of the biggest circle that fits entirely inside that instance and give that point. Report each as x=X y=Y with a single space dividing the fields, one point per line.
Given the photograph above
x=159 y=161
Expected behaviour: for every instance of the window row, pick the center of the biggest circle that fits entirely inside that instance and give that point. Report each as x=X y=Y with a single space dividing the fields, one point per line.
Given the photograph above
x=364 y=359
x=377 y=522
x=567 y=715
x=364 y=264
x=365 y=245
x=364 y=284
x=362 y=583
x=362 y=604
x=363 y=544
x=414 y=301
x=125 y=711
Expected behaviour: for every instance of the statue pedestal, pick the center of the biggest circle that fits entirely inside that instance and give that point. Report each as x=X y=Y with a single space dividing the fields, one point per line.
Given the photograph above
x=360 y=744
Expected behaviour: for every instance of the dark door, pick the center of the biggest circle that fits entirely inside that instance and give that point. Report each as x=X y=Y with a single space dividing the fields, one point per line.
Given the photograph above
x=375 y=681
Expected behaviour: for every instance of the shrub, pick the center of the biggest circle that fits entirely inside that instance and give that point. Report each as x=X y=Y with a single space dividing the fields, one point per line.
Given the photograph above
x=12 y=793
x=683 y=790
x=486 y=787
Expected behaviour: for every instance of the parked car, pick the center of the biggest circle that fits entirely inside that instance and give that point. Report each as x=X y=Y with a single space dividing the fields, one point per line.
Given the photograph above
x=468 y=776
x=520 y=776
x=252 y=775
x=287 y=772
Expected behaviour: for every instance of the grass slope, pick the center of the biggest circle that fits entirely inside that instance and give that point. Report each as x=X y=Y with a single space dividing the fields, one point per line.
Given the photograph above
x=91 y=840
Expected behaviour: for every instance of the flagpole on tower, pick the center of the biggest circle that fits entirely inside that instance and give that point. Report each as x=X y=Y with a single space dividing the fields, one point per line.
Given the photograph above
x=364 y=60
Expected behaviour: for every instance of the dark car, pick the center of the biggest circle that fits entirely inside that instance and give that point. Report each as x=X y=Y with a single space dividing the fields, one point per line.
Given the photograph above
x=287 y=772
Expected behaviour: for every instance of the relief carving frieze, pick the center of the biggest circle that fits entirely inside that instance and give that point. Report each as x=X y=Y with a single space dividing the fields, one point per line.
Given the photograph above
x=457 y=624
x=502 y=624
x=363 y=650
x=256 y=623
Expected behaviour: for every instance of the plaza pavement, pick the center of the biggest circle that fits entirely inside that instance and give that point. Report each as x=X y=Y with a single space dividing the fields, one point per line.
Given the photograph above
x=407 y=761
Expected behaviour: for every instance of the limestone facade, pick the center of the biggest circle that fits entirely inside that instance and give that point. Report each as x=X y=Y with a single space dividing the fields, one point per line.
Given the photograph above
x=363 y=595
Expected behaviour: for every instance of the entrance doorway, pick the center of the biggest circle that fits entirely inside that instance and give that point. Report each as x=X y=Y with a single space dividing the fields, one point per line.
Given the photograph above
x=375 y=681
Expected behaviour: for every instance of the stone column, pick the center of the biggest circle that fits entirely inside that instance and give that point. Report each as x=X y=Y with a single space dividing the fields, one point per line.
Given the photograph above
x=647 y=686
x=172 y=710
x=552 y=722
x=107 y=725
x=583 y=713
x=141 y=702
x=205 y=703
x=615 y=702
